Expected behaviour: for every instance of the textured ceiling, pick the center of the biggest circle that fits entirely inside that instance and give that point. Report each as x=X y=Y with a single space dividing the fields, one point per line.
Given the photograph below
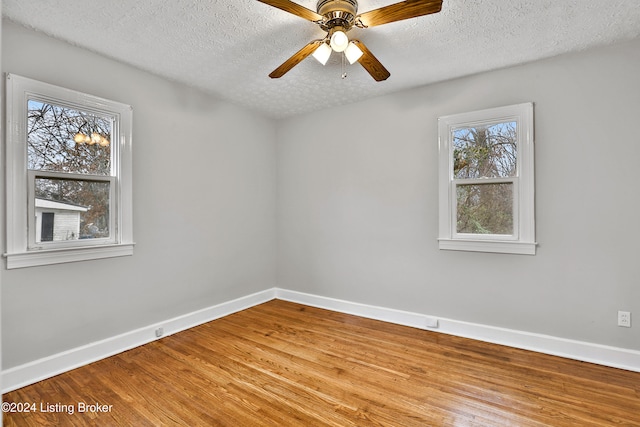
x=228 y=47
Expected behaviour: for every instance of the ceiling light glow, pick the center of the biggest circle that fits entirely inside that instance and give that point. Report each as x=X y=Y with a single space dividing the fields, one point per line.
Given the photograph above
x=339 y=41
x=322 y=53
x=352 y=52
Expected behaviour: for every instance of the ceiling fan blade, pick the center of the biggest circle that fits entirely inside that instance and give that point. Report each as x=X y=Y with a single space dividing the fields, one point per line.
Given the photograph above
x=371 y=63
x=295 y=8
x=399 y=11
x=295 y=59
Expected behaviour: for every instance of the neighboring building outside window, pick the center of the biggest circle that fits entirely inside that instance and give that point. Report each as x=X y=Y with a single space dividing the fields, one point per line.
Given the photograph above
x=69 y=175
x=486 y=179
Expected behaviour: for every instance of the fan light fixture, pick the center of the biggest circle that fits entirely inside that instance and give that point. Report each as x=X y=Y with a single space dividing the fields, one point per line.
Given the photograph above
x=322 y=53
x=339 y=41
x=352 y=52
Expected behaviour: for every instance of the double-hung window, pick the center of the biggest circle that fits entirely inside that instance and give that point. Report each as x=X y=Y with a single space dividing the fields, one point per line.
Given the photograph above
x=68 y=175
x=486 y=179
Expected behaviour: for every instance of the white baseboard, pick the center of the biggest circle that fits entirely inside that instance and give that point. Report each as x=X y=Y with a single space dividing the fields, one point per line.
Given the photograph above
x=50 y=366
x=578 y=350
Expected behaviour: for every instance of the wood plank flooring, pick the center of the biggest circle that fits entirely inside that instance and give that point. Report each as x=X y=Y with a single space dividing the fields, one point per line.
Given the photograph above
x=285 y=364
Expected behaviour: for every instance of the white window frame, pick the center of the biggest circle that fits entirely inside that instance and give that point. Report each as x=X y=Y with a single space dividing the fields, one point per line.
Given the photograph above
x=22 y=250
x=522 y=241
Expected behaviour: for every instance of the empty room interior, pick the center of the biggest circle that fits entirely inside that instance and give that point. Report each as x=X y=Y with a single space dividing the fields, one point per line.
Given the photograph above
x=441 y=230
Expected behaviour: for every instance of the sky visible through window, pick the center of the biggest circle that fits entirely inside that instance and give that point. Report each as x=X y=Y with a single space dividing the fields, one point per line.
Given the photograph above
x=63 y=139
x=487 y=151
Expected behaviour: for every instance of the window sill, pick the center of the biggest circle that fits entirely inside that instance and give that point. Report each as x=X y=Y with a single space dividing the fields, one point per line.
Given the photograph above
x=495 y=246
x=59 y=256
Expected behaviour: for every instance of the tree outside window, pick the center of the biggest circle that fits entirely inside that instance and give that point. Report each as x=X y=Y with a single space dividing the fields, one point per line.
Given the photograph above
x=69 y=141
x=485 y=152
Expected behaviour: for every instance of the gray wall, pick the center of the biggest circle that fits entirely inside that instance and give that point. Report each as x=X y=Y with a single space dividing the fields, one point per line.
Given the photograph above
x=358 y=214
x=204 y=210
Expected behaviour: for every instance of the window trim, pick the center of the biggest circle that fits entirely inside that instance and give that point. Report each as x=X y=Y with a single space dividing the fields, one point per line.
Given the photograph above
x=522 y=241
x=20 y=252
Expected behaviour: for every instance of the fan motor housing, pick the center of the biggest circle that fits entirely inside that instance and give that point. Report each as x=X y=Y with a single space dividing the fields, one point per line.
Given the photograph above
x=337 y=13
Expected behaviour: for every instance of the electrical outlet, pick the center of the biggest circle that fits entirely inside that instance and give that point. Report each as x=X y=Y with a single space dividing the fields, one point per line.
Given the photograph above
x=431 y=322
x=624 y=319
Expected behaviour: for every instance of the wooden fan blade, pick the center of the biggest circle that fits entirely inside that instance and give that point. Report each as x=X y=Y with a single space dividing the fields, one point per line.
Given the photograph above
x=399 y=11
x=295 y=59
x=371 y=63
x=295 y=8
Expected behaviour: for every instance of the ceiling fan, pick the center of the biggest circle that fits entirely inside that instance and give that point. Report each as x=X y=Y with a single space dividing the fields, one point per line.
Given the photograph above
x=337 y=17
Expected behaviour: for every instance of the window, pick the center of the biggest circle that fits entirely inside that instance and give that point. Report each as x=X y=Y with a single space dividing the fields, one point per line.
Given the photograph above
x=68 y=175
x=486 y=180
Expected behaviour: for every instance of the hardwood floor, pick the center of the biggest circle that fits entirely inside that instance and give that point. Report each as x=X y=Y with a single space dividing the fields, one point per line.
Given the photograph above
x=284 y=364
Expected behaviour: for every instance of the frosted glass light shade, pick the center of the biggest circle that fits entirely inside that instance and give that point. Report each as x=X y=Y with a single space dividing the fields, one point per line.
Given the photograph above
x=322 y=53
x=339 y=41
x=352 y=52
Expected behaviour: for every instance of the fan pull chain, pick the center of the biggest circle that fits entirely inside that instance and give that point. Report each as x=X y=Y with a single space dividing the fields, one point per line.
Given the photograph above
x=344 y=72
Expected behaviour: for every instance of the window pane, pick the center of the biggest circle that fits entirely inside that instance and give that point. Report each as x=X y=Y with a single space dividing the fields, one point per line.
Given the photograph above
x=62 y=139
x=485 y=151
x=68 y=209
x=485 y=208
